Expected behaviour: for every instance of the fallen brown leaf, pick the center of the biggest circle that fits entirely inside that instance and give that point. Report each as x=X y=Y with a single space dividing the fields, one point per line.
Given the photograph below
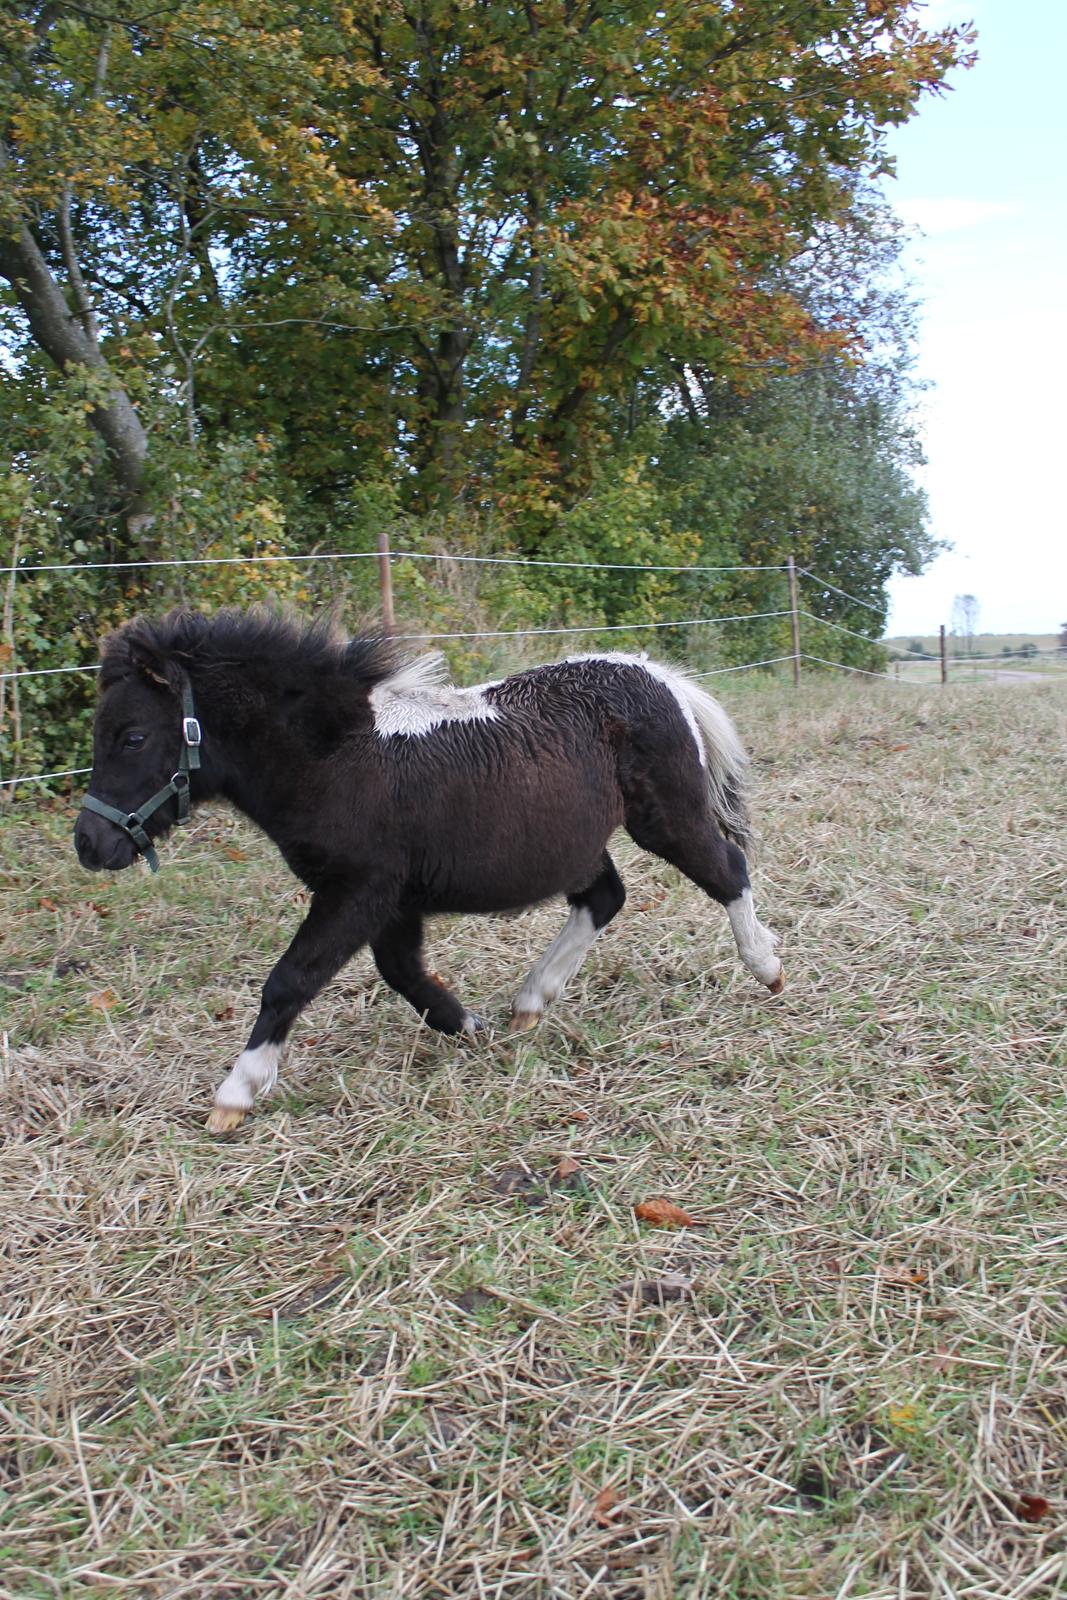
x=604 y=1508
x=657 y=1291
x=664 y=1214
x=104 y=1000
x=47 y=905
x=944 y=1358
x=656 y=898
x=1032 y=1507
x=474 y=1299
x=515 y=1178
x=567 y=1168
x=902 y=1278
x=235 y=854
x=224 y=1015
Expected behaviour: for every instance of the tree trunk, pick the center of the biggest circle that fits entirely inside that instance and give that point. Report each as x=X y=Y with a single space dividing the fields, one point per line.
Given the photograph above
x=69 y=341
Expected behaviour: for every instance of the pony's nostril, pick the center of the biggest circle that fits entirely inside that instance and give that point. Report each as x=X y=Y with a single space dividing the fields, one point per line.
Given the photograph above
x=84 y=847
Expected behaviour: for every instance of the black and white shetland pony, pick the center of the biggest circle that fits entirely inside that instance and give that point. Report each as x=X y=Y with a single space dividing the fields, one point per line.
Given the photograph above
x=394 y=795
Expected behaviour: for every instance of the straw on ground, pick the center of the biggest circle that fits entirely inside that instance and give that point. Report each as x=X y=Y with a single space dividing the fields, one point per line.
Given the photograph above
x=405 y=1335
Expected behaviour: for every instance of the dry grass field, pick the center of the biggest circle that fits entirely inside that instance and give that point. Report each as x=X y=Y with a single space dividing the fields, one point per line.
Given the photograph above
x=404 y=1335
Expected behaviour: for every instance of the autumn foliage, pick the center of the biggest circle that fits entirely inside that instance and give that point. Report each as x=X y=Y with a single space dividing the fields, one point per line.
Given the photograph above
x=272 y=272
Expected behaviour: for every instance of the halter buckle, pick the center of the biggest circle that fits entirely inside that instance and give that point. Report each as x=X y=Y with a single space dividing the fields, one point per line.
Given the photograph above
x=191 y=732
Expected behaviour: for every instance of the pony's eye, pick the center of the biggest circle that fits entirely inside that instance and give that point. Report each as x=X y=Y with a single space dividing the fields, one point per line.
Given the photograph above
x=133 y=741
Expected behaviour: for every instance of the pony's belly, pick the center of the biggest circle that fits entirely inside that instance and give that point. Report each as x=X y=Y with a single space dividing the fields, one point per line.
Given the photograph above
x=482 y=899
x=506 y=836
x=507 y=872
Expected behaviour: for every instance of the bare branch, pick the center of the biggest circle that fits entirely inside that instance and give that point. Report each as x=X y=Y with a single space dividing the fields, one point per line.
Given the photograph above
x=83 y=303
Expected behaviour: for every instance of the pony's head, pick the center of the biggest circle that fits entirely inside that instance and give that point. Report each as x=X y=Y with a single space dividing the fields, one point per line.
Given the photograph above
x=144 y=733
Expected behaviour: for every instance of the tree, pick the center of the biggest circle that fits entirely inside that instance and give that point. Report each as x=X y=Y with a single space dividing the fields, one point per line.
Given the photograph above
x=965 y=610
x=578 y=274
x=460 y=231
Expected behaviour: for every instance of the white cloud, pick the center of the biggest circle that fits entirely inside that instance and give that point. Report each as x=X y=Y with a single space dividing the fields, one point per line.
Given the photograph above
x=949 y=213
x=946 y=13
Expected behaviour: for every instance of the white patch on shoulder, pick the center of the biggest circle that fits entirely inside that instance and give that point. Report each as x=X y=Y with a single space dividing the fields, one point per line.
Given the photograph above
x=416 y=700
x=670 y=676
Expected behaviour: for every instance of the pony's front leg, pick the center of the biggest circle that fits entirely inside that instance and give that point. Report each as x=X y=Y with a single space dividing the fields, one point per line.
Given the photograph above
x=336 y=925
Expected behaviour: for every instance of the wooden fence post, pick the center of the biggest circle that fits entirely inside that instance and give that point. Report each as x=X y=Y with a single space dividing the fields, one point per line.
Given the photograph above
x=944 y=657
x=794 y=618
x=385 y=579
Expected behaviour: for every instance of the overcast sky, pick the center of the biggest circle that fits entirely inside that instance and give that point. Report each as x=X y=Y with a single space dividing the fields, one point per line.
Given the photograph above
x=981 y=171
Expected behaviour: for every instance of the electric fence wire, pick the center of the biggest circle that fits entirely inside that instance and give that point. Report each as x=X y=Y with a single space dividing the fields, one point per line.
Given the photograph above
x=492 y=633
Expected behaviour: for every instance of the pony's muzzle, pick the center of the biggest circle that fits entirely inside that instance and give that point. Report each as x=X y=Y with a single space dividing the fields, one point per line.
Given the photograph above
x=101 y=846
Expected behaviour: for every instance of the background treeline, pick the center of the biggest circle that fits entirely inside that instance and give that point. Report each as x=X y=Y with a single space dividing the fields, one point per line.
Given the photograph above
x=583 y=279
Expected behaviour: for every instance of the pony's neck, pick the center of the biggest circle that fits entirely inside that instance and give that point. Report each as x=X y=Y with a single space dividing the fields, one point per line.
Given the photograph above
x=251 y=758
x=263 y=741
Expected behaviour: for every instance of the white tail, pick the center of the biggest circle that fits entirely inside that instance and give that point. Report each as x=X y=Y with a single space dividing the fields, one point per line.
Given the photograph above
x=724 y=757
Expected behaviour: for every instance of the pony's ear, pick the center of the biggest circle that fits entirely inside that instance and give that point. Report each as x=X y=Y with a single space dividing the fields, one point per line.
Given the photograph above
x=149 y=659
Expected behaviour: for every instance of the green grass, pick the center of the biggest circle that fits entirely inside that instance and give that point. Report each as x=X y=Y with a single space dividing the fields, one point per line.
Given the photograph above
x=983 y=644
x=371 y=1346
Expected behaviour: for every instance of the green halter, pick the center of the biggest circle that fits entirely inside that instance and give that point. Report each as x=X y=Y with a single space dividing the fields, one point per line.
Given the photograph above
x=133 y=822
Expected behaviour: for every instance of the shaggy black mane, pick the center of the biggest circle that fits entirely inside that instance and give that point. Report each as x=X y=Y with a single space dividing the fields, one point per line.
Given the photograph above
x=234 y=637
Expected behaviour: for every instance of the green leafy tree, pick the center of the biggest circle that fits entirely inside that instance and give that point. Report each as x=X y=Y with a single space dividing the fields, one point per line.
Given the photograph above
x=548 y=275
x=476 y=221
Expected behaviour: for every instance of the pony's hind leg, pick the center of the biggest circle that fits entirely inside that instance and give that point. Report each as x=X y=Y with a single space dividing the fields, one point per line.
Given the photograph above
x=718 y=867
x=591 y=911
x=398 y=956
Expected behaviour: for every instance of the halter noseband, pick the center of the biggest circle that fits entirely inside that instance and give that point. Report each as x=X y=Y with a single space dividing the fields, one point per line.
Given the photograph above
x=133 y=822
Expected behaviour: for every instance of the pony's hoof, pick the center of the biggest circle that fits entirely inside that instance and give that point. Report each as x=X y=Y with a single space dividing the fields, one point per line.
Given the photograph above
x=473 y=1023
x=224 y=1119
x=523 y=1021
x=778 y=985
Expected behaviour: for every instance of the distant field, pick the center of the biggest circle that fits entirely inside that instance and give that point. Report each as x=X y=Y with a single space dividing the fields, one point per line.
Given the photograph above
x=983 y=644
x=383 y=1344
x=1017 y=669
